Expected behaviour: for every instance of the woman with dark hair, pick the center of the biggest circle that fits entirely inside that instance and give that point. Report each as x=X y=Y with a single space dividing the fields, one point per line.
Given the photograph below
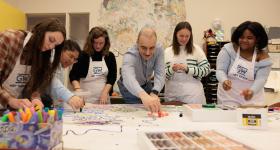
x=243 y=66
x=70 y=53
x=96 y=69
x=186 y=64
x=58 y=93
x=26 y=69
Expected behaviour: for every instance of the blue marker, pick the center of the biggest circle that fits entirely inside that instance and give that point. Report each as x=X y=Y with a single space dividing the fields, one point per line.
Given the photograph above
x=46 y=109
x=59 y=113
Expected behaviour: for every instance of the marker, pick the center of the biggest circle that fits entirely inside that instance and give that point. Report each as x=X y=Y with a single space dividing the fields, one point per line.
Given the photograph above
x=28 y=114
x=4 y=118
x=51 y=118
x=55 y=114
x=45 y=116
x=11 y=117
x=17 y=117
x=81 y=109
x=59 y=113
x=34 y=118
x=181 y=114
x=40 y=116
x=208 y=105
x=32 y=109
x=46 y=109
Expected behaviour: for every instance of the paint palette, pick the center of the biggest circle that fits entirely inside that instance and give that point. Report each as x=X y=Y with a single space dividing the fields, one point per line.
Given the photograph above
x=189 y=140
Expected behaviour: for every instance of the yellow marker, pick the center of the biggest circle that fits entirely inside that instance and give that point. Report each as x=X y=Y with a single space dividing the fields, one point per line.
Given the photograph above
x=28 y=114
x=51 y=116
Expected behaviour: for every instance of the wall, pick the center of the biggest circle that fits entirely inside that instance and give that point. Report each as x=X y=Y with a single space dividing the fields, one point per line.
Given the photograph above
x=200 y=13
x=60 y=6
x=11 y=17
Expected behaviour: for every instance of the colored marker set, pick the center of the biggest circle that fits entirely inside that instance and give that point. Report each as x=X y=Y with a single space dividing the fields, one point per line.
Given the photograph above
x=30 y=129
x=29 y=115
x=202 y=140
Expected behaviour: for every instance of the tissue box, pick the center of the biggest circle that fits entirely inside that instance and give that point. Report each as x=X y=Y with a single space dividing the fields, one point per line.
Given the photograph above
x=31 y=136
x=199 y=113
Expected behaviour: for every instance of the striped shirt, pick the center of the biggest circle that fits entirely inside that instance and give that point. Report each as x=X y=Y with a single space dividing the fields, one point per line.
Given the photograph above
x=197 y=62
x=11 y=45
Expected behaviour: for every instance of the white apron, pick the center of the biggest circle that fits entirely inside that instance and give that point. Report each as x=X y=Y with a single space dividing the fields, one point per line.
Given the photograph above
x=184 y=87
x=19 y=76
x=95 y=80
x=241 y=75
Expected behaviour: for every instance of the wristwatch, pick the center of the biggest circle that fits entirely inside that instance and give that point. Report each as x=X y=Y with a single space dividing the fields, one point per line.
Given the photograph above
x=155 y=92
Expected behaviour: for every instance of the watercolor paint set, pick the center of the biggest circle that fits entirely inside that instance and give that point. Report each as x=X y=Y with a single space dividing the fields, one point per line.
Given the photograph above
x=211 y=113
x=189 y=140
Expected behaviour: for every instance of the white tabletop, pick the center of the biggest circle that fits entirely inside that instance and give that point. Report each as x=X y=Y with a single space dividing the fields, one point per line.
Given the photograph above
x=127 y=122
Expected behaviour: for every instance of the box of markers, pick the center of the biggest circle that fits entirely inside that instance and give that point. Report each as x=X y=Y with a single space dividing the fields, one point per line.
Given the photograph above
x=44 y=133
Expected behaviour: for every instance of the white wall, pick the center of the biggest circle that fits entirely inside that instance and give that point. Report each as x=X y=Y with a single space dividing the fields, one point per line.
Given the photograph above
x=200 y=13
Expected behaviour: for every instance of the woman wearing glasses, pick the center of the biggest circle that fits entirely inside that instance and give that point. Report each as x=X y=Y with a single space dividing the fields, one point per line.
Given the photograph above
x=57 y=93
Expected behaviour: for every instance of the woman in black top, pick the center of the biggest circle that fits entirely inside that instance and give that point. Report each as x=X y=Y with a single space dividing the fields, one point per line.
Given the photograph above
x=96 y=69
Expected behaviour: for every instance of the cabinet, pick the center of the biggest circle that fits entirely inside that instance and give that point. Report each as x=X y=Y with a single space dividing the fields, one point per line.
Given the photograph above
x=76 y=24
x=210 y=82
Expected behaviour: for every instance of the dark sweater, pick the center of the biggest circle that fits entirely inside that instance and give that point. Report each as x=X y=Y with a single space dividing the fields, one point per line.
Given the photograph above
x=80 y=69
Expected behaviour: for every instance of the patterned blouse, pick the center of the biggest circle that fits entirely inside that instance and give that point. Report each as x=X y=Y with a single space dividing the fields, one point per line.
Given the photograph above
x=11 y=45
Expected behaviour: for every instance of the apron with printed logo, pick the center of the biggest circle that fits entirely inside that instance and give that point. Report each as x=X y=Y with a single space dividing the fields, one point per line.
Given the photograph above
x=184 y=87
x=20 y=75
x=241 y=75
x=95 y=80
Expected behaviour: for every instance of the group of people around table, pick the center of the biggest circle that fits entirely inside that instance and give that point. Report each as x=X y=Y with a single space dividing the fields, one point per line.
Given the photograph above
x=32 y=67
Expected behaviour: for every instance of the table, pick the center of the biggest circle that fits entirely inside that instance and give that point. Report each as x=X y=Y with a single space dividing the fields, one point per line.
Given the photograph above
x=120 y=124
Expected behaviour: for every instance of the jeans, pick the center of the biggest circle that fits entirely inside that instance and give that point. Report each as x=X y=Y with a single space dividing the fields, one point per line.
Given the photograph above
x=130 y=98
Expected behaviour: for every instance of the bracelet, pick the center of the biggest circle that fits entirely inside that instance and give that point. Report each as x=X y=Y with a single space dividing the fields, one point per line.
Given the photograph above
x=155 y=92
x=77 y=88
x=36 y=99
x=187 y=71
